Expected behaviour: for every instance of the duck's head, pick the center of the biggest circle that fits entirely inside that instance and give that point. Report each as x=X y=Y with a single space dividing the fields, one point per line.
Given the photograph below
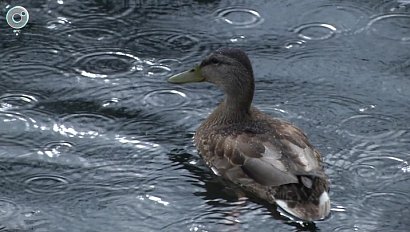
x=228 y=68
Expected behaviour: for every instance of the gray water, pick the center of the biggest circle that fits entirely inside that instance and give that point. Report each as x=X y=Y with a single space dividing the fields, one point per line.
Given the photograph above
x=93 y=138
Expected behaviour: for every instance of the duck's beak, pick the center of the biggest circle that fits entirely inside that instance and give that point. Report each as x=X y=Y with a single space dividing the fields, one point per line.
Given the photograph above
x=193 y=75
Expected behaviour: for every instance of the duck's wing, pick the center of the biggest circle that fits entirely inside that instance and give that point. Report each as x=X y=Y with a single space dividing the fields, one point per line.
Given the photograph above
x=273 y=156
x=270 y=159
x=279 y=165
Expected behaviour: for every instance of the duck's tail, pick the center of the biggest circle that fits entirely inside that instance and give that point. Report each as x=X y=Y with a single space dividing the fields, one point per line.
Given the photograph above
x=307 y=200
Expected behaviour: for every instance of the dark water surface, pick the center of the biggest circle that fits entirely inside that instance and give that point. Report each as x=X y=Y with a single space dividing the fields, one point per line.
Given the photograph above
x=93 y=138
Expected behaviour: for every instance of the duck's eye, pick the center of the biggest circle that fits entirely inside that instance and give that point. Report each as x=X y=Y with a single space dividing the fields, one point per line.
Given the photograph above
x=214 y=61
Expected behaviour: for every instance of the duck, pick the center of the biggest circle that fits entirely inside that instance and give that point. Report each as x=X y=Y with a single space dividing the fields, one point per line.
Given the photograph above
x=268 y=157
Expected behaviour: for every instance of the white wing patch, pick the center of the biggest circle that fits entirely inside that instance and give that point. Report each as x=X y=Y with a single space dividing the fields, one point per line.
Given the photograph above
x=215 y=171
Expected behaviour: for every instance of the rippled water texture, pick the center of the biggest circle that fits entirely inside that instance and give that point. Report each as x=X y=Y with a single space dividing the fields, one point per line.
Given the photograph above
x=93 y=138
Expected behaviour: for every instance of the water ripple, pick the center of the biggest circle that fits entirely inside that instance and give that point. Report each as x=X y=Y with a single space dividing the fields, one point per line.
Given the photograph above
x=158 y=70
x=382 y=202
x=295 y=44
x=91 y=35
x=17 y=101
x=187 y=118
x=165 y=98
x=343 y=16
x=57 y=148
x=32 y=37
x=11 y=148
x=315 y=31
x=107 y=64
x=300 y=57
x=142 y=128
x=349 y=228
x=239 y=17
x=163 y=67
x=396 y=6
x=89 y=30
x=391 y=26
x=174 y=43
x=46 y=184
x=61 y=153
x=330 y=105
x=84 y=125
x=92 y=205
x=13 y=125
x=238 y=39
x=7 y=208
x=58 y=24
x=79 y=9
x=42 y=78
x=33 y=55
x=35 y=176
x=128 y=151
x=376 y=168
x=369 y=125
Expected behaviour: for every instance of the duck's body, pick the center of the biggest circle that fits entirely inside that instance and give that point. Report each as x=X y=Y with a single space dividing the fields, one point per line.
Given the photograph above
x=266 y=156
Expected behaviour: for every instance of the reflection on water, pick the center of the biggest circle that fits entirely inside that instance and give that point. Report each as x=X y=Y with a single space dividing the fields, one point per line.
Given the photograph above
x=239 y=17
x=92 y=138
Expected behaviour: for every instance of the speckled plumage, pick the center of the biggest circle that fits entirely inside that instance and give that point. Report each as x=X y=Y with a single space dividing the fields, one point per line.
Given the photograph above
x=268 y=157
